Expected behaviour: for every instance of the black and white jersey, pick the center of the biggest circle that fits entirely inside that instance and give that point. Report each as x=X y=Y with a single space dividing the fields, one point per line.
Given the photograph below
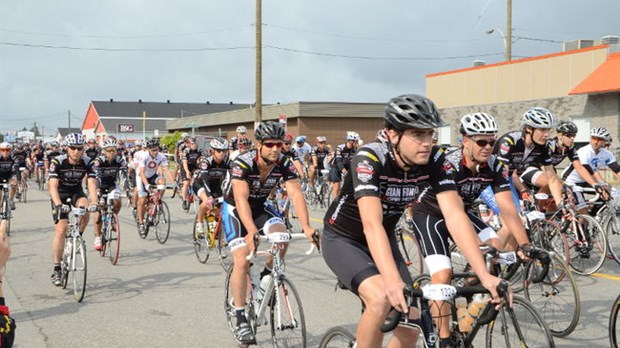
x=559 y=153
x=320 y=156
x=92 y=152
x=211 y=175
x=510 y=148
x=69 y=175
x=191 y=156
x=8 y=167
x=107 y=172
x=342 y=158
x=374 y=172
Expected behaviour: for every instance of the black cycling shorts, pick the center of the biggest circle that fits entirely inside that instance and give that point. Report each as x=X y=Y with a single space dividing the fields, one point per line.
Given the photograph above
x=334 y=175
x=351 y=261
x=233 y=227
x=64 y=196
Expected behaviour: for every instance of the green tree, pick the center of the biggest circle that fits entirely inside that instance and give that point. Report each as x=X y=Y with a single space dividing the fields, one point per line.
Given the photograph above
x=1 y=138
x=35 y=130
x=170 y=140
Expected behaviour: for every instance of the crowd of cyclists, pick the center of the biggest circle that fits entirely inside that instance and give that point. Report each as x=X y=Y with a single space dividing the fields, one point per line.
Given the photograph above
x=402 y=171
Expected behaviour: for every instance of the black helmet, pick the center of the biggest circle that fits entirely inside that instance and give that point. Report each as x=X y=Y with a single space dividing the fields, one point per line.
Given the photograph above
x=151 y=143
x=566 y=127
x=269 y=130
x=412 y=111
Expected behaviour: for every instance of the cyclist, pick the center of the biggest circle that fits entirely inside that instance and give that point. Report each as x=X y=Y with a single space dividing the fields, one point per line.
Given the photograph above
x=209 y=177
x=526 y=152
x=253 y=176
x=361 y=249
x=179 y=147
x=288 y=151
x=135 y=156
x=8 y=170
x=189 y=160
x=108 y=169
x=92 y=150
x=50 y=154
x=341 y=162
x=22 y=158
x=240 y=142
x=302 y=150
x=148 y=169
x=37 y=156
x=318 y=155
x=66 y=173
x=594 y=157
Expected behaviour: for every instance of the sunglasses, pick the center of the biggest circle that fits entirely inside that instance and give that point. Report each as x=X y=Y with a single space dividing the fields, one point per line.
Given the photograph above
x=483 y=143
x=218 y=150
x=110 y=150
x=271 y=145
x=570 y=135
x=76 y=148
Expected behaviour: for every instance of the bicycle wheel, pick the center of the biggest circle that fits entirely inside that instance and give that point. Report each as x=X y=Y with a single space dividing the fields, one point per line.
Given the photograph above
x=222 y=247
x=612 y=233
x=586 y=258
x=162 y=223
x=6 y=213
x=503 y=331
x=556 y=297
x=337 y=337
x=546 y=234
x=25 y=194
x=614 y=326
x=113 y=239
x=288 y=325
x=201 y=243
x=410 y=249
x=78 y=269
x=65 y=264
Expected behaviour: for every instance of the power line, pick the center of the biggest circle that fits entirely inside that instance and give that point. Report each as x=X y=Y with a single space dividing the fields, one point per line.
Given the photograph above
x=198 y=49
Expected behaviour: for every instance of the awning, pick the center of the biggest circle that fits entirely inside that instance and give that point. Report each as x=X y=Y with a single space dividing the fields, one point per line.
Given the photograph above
x=605 y=79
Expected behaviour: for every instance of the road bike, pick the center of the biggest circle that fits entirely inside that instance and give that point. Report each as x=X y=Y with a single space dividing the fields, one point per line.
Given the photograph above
x=5 y=207
x=614 y=324
x=110 y=227
x=22 y=187
x=409 y=247
x=607 y=216
x=280 y=297
x=157 y=215
x=516 y=326
x=40 y=178
x=212 y=237
x=73 y=264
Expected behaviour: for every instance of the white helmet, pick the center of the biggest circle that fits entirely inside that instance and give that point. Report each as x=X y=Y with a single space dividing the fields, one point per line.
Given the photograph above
x=110 y=143
x=478 y=123
x=242 y=129
x=73 y=139
x=219 y=144
x=537 y=118
x=6 y=145
x=321 y=139
x=600 y=132
x=353 y=136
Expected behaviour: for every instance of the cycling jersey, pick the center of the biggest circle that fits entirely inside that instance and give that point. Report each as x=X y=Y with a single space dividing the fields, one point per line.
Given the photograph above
x=8 y=167
x=20 y=157
x=559 y=153
x=291 y=154
x=69 y=175
x=492 y=173
x=49 y=155
x=210 y=176
x=107 y=171
x=374 y=172
x=245 y=168
x=320 y=156
x=191 y=156
x=92 y=152
x=137 y=158
x=510 y=149
x=151 y=164
x=301 y=151
x=236 y=143
x=592 y=161
x=342 y=158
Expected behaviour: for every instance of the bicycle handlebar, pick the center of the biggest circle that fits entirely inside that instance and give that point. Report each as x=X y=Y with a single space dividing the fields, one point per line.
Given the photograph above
x=487 y=315
x=273 y=238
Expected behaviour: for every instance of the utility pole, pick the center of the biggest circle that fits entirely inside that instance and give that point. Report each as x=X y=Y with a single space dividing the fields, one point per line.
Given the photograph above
x=508 y=30
x=143 y=124
x=69 y=117
x=258 y=110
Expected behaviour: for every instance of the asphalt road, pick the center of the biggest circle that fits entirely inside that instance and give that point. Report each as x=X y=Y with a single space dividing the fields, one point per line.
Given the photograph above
x=160 y=296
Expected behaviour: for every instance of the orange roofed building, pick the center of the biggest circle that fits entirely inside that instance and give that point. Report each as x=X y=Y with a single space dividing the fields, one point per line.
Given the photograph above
x=582 y=85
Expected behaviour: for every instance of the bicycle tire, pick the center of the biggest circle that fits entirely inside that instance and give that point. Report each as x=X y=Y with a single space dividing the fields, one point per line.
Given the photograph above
x=614 y=325
x=222 y=247
x=585 y=263
x=114 y=239
x=612 y=233
x=79 y=269
x=25 y=194
x=162 y=225
x=286 y=314
x=6 y=212
x=411 y=252
x=546 y=234
x=64 y=266
x=528 y=321
x=229 y=309
x=557 y=297
x=337 y=337
x=201 y=243
x=104 y=234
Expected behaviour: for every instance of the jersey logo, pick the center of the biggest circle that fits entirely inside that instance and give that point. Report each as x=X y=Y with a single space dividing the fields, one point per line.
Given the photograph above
x=364 y=171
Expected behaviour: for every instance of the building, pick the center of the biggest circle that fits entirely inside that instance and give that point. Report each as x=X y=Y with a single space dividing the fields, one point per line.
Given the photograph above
x=62 y=132
x=329 y=119
x=581 y=84
x=137 y=120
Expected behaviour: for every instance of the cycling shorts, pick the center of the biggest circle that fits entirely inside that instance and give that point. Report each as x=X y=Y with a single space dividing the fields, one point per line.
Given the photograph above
x=233 y=227
x=351 y=261
x=64 y=196
x=530 y=175
x=152 y=181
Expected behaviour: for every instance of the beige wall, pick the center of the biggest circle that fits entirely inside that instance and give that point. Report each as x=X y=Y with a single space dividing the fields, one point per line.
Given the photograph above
x=542 y=77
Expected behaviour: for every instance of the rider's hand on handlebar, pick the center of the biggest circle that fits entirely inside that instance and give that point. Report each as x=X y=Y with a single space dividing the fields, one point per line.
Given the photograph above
x=491 y=283
x=251 y=241
x=395 y=295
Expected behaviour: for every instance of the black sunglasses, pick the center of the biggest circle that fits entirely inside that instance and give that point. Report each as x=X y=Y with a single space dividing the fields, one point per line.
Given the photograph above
x=218 y=150
x=78 y=148
x=270 y=145
x=483 y=143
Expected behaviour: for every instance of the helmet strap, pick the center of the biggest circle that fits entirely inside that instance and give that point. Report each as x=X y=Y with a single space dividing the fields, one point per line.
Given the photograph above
x=396 y=149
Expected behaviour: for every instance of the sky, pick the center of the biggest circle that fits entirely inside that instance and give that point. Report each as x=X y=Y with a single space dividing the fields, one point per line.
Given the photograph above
x=57 y=56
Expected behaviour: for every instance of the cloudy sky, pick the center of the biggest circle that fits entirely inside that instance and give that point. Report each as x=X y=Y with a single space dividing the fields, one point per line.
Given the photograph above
x=56 y=56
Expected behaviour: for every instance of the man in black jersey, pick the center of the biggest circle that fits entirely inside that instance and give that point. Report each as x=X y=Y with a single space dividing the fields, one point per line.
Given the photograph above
x=66 y=174
x=318 y=155
x=92 y=150
x=341 y=161
x=189 y=160
x=240 y=142
x=108 y=168
x=253 y=176
x=208 y=178
x=8 y=170
x=361 y=248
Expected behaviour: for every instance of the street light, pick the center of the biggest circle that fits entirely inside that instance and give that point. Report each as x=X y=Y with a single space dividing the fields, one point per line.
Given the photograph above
x=507 y=47
x=193 y=125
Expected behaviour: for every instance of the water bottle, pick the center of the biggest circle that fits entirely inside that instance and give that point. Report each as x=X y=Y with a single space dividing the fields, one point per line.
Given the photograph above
x=464 y=319
x=264 y=283
x=255 y=278
x=211 y=222
x=475 y=307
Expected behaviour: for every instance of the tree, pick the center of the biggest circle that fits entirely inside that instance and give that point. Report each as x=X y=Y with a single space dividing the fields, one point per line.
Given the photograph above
x=1 y=138
x=170 y=140
x=35 y=130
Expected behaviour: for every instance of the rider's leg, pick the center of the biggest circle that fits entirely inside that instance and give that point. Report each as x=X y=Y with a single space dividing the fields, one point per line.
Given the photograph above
x=83 y=202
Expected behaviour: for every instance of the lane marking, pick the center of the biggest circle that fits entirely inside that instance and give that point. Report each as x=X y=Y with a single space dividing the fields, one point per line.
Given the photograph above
x=606 y=276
